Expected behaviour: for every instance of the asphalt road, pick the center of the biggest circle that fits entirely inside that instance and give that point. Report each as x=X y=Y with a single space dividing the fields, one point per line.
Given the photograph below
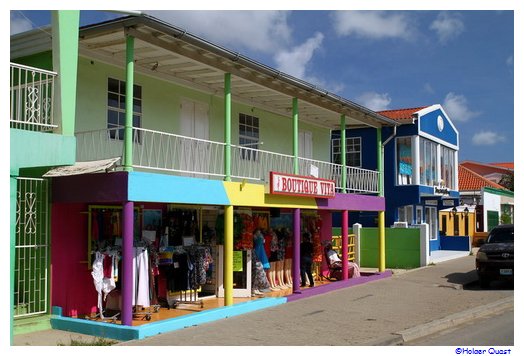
x=494 y=330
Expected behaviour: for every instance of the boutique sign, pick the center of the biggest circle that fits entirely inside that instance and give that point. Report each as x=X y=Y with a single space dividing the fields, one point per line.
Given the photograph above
x=288 y=184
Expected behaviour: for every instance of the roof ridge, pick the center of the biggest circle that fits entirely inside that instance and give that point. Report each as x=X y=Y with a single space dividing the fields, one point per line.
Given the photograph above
x=476 y=175
x=405 y=109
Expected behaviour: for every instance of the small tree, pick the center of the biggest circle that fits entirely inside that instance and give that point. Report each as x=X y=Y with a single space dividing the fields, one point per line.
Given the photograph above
x=507 y=181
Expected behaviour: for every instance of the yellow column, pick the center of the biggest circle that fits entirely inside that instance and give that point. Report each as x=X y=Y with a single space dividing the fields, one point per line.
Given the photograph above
x=228 y=255
x=381 y=242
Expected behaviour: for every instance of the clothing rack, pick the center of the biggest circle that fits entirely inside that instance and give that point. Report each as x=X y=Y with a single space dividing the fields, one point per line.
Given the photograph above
x=139 y=310
x=103 y=285
x=197 y=262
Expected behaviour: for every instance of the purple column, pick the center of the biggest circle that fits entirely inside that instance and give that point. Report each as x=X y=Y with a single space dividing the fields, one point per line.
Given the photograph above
x=296 y=251
x=127 y=264
x=345 y=244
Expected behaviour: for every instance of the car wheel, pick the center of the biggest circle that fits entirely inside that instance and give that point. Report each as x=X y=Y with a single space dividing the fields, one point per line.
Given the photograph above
x=484 y=282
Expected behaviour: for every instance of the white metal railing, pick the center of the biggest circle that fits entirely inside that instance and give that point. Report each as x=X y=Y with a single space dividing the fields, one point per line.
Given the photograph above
x=167 y=152
x=31 y=102
x=99 y=144
x=362 y=180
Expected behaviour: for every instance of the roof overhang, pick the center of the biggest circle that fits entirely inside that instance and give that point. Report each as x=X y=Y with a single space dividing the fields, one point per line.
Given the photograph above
x=170 y=53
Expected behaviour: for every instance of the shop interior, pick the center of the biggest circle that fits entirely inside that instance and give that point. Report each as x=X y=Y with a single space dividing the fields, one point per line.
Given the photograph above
x=178 y=252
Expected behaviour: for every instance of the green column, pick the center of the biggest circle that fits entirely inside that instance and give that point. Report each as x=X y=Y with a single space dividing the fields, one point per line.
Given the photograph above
x=128 y=133
x=381 y=215
x=227 y=126
x=65 y=62
x=295 y=135
x=343 y=151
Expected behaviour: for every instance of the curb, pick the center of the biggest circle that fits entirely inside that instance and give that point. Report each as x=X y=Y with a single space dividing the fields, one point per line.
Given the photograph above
x=450 y=321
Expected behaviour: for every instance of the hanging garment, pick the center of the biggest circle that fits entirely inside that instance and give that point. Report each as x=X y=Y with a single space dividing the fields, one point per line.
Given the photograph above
x=98 y=276
x=259 y=275
x=260 y=250
x=141 y=277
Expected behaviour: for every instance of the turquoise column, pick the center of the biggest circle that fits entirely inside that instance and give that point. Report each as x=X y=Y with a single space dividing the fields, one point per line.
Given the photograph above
x=128 y=133
x=65 y=25
x=295 y=135
x=227 y=126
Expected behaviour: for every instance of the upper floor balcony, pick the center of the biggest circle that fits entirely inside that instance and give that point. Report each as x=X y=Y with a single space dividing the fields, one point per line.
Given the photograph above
x=169 y=153
x=31 y=98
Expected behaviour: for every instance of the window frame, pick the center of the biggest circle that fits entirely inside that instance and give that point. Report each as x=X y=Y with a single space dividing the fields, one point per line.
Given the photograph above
x=248 y=124
x=116 y=129
x=351 y=153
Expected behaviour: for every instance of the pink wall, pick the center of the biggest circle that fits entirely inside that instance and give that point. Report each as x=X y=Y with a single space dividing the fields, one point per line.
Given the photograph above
x=72 y=285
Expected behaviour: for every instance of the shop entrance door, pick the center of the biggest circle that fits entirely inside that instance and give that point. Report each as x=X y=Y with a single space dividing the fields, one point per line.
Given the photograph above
x=241 y=273
x=432 y=221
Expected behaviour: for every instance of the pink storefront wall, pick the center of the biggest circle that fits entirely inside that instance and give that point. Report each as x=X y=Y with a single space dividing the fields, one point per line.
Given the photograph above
x=72 y=286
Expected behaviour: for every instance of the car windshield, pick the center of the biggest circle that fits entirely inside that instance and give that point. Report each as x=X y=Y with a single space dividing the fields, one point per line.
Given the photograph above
x=501 y=235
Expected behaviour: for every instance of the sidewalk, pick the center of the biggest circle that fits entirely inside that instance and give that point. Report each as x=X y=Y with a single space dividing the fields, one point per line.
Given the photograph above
x=407 y=305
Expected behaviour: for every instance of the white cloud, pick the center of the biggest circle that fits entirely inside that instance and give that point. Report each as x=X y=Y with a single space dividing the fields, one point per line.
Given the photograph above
x=19 y=23
x=428 y=88
x=264 y=31
x=486 y=138
x=456 y=107
x=447 y=26
x=509 y=61
x=294 y=62
x=372 y=24
x=374 y=101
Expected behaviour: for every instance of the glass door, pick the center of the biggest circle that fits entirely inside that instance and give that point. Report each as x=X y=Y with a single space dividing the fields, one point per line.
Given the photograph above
x=241 y=273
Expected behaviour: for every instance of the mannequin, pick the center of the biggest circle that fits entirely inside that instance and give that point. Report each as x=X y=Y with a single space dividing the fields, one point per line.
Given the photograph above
x=260 y=265
x=280 y=260
x=288 y=258
x=271 y=244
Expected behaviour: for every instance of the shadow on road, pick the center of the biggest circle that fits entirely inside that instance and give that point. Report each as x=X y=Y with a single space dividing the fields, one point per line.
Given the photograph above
x=469 y=281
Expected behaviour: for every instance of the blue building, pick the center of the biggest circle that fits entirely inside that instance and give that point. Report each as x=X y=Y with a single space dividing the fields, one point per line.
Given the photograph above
x=420 y=166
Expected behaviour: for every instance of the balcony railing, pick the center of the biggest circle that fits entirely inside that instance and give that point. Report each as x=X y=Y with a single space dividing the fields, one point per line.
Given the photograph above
x=31 y=101
x=167 y=152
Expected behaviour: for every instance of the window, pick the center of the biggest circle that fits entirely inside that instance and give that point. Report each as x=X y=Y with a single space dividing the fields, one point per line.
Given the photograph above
x=353 y=151
x=404 y=161
x=428 y=162
x=116 y=106
x=248 y=135
x=447 y=167
x=405 y=213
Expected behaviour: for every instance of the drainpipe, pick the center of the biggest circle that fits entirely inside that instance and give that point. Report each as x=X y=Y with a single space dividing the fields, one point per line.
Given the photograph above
x=381 y=214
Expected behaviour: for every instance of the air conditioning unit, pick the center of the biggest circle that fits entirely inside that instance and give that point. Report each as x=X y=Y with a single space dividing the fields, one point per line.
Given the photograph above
x=400 y=224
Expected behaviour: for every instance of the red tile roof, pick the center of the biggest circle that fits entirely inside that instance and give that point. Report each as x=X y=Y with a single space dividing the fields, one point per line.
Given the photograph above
x=401 y=114
x=469 y=180
x=509 y=165
x=485 y=168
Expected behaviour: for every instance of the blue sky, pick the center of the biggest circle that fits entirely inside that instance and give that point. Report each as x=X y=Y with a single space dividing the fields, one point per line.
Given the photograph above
x=383 y=60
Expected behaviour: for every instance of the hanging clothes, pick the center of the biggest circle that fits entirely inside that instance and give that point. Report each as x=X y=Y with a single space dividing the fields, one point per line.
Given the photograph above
x=260 y=250
x=141 y=277
x=103 y=284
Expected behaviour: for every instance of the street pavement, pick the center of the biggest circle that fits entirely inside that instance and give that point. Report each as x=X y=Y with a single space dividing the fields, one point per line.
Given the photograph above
x=391 y=311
